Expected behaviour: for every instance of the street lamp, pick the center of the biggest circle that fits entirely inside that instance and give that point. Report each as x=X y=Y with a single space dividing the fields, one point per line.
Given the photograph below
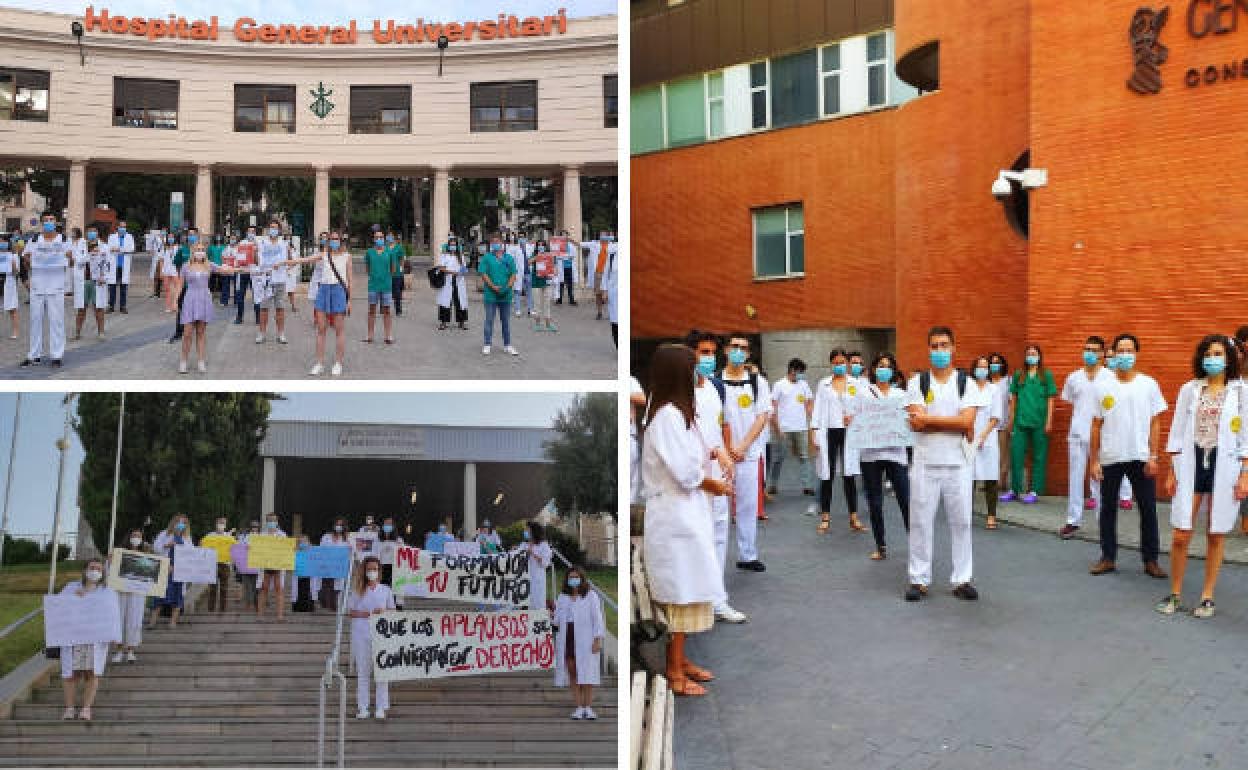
x=77 y=31
x=444 y=42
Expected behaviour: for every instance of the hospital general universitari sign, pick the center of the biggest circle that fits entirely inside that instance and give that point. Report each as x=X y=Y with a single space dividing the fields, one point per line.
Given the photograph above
x=395 y=442
x=1203 y=19
x=248 y=30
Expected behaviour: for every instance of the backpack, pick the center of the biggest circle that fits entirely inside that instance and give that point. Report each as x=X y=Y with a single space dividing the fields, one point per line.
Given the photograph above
x=721 y=385
x=925 y=382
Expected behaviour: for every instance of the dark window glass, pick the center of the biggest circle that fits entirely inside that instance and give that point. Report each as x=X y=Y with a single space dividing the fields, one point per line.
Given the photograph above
x=381 y=109
x=610 y=101
x=794 y=89
x=23 y=95
x=758 y=74
x=831 y=94
x=145 y=103
x=264 y=109
x=877 y=47
x=759 y=100
x=832 y=57
x=507 y=106
x=877 y=91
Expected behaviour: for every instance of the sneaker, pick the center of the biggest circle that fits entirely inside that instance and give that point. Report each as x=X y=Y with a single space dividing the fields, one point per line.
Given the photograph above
x=182 y=367
x=317 y=369
x=31 y=361
x=579 y=713
x=117 y=656
x=509 y=350
x=1168 y=605
x=966 y=591
x=361 y=714
x=727 y=614
x=811 y=492
x=68 y=713
x=1029 y=498
x=281 y=338
x=772 y=491
x=202 y=367
x=1068 y=531
x=381 y=714
x=131 y=658
x=238 y=322
x=914 y=592
x=752 y=566
x=1089 y=504
x=1205 y=610
x=259 y=339
x=336 y=369
x=485 y=350
x=1008 y=497
x=1125 y=505
x=589 y=713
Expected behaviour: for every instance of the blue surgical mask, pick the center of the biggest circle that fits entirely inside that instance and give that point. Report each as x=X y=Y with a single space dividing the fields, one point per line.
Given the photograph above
x=271 y=524
x=121 y=230
x=574 y=582
x=324 y=241
x=527 y=535
x=335 y=245
x=251 y=236
x=1032 y=360
x=800 y=376
x=706 y=366
x=379 y=242
x=1089 y=358
x=941 y=358
x=838 y=370
x=883 y=374
x=981 y=373
x=736 y=357
x=273 y=232
x=192 y=239
x=994 y=368
x=49 y=227
x=855 y=369
x=496 y=247
x=181 y=525
x=442 y=530
x=389 y=239
x=387 y=528
x=1214 y=365
x=1126 y=361
x=1112 y=361
x=93 y=236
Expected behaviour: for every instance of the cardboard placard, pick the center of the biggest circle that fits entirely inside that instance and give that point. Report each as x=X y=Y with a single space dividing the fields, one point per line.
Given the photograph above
x=456 y=548
x=385 y=551
x=69 y=619
x=135 y=572
x=238 y=555
x=271 y=552
x=430 y=645
x=323 y=561
x=363 y=544
x=219 y=543
x=493 y=578
x=878 y=423
x=194 y=565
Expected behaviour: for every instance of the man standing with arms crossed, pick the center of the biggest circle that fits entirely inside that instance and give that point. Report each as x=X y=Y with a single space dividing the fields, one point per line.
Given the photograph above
x=747 y=407
x=1079 y=391
x=272 y=253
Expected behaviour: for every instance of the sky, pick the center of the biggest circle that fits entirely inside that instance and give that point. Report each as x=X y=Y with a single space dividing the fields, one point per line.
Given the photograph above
x=32 y=504
x=326 y=11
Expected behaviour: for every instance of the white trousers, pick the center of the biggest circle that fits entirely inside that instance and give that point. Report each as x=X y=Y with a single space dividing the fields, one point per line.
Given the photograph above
x=1078 y=470
x=745 y=487
x=51 y=306
x=133 y=607
x=362 y=652
x=929 y=487
x=721 y=522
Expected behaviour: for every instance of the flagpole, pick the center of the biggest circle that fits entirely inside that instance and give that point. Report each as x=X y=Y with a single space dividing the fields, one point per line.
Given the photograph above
x=63 y=446
x=112 y=524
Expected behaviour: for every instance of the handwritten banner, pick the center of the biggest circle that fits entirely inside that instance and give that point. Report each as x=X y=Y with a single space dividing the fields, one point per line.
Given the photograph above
x=238 y=555
x=495 y=578
x=878 y=424
x=48 y=254
x=456 y=548
x=431 y=645
x=194 y=565
x=323 y=561
x=271 y=552
x=135 y=572
x=363 y=544
x=385 y=551
x=69 y=619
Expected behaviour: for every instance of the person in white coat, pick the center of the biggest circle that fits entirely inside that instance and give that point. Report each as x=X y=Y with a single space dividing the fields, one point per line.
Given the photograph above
x=987 y=461
x=368 y=597
x=9 y=282
x=92 y=261
x=47 y=256
x=828 y=423
x=1208 y=445
x=942 y=407
x=1079 y=390
x=133 y=607
x=886 y=385
x=84 y=662
x=578 y=647
x=569 y=274
x=273 y=254
x=454 y=291
x=539 y=552
x=678 y=542
x=121 y=252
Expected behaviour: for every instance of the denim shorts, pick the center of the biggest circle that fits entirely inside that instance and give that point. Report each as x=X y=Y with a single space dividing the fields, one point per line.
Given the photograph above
x=383 y=298
x=1204 y=476
x=331 y=298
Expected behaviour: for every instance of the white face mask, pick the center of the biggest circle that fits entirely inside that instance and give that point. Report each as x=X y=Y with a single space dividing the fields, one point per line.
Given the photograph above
x=135 y=542
x=372 y=575
x=220 y=526
x=94 y=575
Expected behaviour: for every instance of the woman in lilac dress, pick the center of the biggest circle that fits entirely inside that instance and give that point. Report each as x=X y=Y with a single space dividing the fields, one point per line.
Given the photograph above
x=197 y=305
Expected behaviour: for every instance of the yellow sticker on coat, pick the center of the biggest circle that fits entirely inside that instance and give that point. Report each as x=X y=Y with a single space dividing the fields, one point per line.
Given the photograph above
x=1107 y=403
x=744 y=401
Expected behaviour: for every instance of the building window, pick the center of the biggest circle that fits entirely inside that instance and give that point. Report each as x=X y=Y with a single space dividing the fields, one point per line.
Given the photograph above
x=264 y=109
x=758 y=94
x=145 y=103
x=684 y=104
x=830 y=77
x=794 y=89
x=381 y=109
x=509 y=106
x=877 y=69
x=610 y=101
x=645 y=120
x=24 y=95
x=715 y=105
x=779 y=241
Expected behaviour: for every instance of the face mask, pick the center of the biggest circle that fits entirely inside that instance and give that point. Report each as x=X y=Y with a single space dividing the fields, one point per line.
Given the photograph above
x=251 y=236
x=1032 y=360
x=93 y=236
x=49 y=227
x=994 y=368
x=172 y=241
x=372 y=575
x=135 y=542
x=1089 y=358
x=706 y=365
x=271 y=524
x=486 y=525
x=736 y=357
x=179 y=526
x=369 y=521
x=94 y=575
x=574 y=582
x=941 y=358
x=387 y=528
x=1214 y=365
x=800 y=376
x=981 y=373
x=838 y=370
x=441 y=530
x=1126 y=361
x=883 y=374
x=272 y=232
x=496 y=247
x=335 y=245
x=121 y=230
x=220 y=526
x=389 y=239
x=527 y=535
x=324 y=241
x=192 y=239
x=541 y=249
x=379 y=243
x=855 y=369
x=337 y=527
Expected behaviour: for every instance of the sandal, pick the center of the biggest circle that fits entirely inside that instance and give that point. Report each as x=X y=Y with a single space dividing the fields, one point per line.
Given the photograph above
x=825 y=523
x=686 y=688
x=698 y=674
x=854 y=524
x=992 y=523
x=879 y=555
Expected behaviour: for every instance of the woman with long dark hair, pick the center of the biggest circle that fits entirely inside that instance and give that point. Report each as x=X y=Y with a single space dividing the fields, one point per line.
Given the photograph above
x=886 y=384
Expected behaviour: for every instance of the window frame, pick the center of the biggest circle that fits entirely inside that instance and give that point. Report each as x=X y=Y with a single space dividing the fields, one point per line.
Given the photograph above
x=712 y=101
x=123 y=122
x=609 y=119
x=788 y=236
x=377 y=118
x=884 y=64
x=473 y=125
x=264 y=108
x=17 y=114
x=765 y=88
x=825 y=75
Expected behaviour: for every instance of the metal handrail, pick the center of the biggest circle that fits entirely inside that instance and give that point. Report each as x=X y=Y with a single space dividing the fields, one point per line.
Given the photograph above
x=331 y=673
x=23 y=620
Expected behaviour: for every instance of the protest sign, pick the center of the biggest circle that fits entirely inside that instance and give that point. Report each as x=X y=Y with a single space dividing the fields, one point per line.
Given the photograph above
x=194 y=565
x=430 y=645
x=48 y=254
x=456 y=548
x=219 y=543
x=878 y=423
x=271 y=552
x=69 y=619
x=385 y=551
x=135 y=572
x=495 y=578
x=363 y=544
x=323 y=561
x=238 y=555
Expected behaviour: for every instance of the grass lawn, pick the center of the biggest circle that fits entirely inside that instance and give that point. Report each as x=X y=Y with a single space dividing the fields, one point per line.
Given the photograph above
x=22 y=587
x=605 y=579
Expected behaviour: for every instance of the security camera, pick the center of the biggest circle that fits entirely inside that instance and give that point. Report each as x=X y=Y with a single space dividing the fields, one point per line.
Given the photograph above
x=1029 y=179
x=1002 y=189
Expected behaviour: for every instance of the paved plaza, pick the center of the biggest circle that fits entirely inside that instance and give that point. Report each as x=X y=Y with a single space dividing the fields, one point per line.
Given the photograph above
x=136 y=345
x=1051 y=668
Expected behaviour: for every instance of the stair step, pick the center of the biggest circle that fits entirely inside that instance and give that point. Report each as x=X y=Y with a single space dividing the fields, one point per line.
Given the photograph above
x=481 y=710
x=599 y=758
x=189 y=697
x=552 y=726
x=413 y=750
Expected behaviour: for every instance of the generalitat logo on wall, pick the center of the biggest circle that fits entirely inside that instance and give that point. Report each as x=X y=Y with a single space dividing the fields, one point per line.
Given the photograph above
x=1204 y=19
x=1147 y=50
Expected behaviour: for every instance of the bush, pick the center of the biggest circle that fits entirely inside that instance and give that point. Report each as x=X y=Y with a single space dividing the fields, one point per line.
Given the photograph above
x=513 y=534
x=22 y=551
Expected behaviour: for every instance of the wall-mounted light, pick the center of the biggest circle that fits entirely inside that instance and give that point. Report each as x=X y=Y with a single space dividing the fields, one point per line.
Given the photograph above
x=444 y=42
x=77 y=31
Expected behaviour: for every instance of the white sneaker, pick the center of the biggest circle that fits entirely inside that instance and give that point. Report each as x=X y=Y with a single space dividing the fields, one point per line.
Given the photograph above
x=282 y=339
x=361 y=714
x=182 y=367
x=727 y=614
x=485 y=351
x=317 y=369
x=380 y=714
x=579 y=713
x=130 y=657
x=117 y=657
x=511 y=351
x=517 y=314
x=336 y=369
x=259 y=339
x=202 y=366
x=589 y=713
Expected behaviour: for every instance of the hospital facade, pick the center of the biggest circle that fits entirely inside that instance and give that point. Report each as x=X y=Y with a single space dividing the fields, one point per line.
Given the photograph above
x=374 y=98
x=819 y=173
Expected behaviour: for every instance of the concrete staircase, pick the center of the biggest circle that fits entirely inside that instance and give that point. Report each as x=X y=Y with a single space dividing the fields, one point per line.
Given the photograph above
x=230 y=690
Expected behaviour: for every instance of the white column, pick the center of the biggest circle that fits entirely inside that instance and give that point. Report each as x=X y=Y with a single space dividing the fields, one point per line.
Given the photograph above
x=268 y=487
x=470 y=499
x=320 y=206
x=88 y=196
x=418 y=228
x=441 y=214
x=572 y=202
x=77 y=195
x=203 y=198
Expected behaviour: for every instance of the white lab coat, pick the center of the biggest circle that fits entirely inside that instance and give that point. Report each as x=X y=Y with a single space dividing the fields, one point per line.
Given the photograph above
x=101 y=263
x=1232 y=448
x=539 y=560
x=115 y=246
x=585 y=614
x=988 y=457
x=454 y=281
x=829 y=412
x=613 y=288
x=100 y=656
x=377 y=597
x=10 y=283
x=679 y=542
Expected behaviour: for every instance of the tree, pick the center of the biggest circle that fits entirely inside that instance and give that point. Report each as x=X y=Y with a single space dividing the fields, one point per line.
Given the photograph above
x=584 y=477
x=192 y=453
x=599 y=204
